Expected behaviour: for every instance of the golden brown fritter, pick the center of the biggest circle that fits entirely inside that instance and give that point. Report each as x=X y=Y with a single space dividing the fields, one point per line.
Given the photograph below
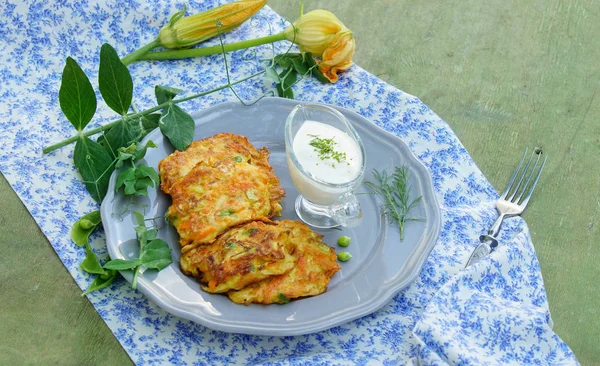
x=316 y=264
x=223 y=193
x=243 y=255
x=209 y=200
x=216 y=194
x=208 y=151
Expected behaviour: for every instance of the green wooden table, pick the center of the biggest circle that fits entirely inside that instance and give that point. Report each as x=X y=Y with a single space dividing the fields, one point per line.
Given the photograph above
x=503 y=74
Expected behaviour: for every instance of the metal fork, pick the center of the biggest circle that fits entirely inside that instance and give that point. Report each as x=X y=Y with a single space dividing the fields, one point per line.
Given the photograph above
x=511 y=203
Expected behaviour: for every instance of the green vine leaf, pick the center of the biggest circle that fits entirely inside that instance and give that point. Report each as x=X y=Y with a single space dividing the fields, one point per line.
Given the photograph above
x=165 y=93
x=122 y=264
x=272 y=74
x=143 y=171
x=294 y=64
x=133 y=153
x=139 y=218
x=156 y=255
x=95 y=166
x=114 y=80
x=120 y=135
x=178 y=126
x=136 y=180
x=312 y=65
x=142 y=185
x=148 y=123
x=126 y=179
x=288 y=78
x=140 y=151
x=76 y=96
x=297 y=60
x=82 y=228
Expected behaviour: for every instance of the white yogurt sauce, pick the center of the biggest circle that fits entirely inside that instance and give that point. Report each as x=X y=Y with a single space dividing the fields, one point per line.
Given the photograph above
x=328 y=170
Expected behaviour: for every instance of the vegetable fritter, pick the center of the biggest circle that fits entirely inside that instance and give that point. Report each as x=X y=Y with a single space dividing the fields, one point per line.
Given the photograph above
x=224 y=192
x=241 y=256
x=208 y=151
x=316 y=264
x=218 y=194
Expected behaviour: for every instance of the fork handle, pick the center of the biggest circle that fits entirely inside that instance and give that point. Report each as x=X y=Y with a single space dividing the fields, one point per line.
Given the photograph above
x=488 y=242
x=495 y=229
x=482 y=250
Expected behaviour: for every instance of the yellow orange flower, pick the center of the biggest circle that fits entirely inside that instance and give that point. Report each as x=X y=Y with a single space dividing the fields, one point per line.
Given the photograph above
x=318 y=32
x=338 y=56
x=314 y=31
x=324 y=35
x=188 y=31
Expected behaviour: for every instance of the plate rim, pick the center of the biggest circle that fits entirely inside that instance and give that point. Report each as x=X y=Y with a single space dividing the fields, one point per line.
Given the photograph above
x=384 y=296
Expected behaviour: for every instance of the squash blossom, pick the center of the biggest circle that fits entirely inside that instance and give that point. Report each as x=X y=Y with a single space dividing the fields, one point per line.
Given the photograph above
x=324 y=35
x=338 y=56
x=314 y=31
x=188 y=31
x=318 y=32
x=184 y=32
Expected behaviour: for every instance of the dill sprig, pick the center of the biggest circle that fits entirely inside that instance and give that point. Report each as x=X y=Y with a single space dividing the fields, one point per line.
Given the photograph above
x=326 y=148
x=395 y=191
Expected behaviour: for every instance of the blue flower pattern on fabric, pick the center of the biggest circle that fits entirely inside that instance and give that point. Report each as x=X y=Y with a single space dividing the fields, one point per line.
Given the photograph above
x=495 y=312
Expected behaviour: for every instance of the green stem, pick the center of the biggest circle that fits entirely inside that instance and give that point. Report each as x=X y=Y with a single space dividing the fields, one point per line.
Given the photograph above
x=96 y=130
x=107 y=126
x=197 y=52
x=135 y=277
x=401 y=226
x=142 y=241
x=135 y=55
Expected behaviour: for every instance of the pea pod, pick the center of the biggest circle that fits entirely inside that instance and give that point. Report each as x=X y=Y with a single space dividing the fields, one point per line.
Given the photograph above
x=84 y=227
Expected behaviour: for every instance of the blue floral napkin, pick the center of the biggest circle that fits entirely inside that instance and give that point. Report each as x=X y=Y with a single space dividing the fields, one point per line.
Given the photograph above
x=494 y=312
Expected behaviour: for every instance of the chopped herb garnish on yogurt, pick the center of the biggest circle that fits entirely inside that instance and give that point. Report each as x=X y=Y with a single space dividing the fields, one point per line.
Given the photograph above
x=326 y=149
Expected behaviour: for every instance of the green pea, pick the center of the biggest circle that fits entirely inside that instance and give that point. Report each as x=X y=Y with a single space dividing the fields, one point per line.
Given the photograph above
x=86 y=224
x=344 y=256
x=344 y=241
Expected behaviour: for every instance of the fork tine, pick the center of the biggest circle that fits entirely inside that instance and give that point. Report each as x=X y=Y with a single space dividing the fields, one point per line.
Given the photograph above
x=522 y=177
x=512 y=179
x=524 y=188
x=526 y=199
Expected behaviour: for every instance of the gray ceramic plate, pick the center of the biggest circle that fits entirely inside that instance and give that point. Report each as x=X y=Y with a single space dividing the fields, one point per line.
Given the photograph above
x=380 y=267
